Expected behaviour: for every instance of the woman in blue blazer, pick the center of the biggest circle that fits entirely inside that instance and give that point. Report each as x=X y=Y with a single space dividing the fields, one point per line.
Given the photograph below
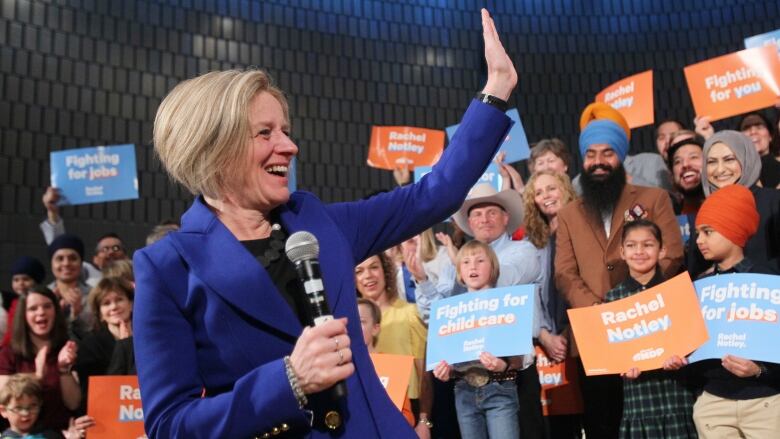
x=222 y=342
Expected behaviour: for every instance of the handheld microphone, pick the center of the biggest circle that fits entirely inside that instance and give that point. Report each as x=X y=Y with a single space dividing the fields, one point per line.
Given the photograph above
x=303 y=250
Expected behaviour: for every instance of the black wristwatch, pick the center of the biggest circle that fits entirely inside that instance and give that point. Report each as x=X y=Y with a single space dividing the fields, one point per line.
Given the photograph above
x=493 y=100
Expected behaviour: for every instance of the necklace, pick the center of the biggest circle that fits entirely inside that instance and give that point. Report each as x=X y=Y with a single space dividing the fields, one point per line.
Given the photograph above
x=275 y=246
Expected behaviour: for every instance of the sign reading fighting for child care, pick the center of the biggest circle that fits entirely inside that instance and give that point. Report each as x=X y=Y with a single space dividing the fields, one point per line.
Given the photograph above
x=736 y=83
x=633 y=98
x=767 y=39
x=639 y=331
x=515 y=144
x=741 y=312
x=491 y=176
x=96 y=174
x=395 y=372
x=115 y=403
x=497 y=320
x=404 y=147
x=560 y=393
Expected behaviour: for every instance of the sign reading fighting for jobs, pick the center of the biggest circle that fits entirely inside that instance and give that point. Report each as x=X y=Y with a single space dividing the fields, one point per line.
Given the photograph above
x=497 y=320
x=639 y=331
x=741 y=312
x=94 y=175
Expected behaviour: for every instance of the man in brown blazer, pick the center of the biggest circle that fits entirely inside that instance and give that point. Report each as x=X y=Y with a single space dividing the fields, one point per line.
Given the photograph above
x=587 y=258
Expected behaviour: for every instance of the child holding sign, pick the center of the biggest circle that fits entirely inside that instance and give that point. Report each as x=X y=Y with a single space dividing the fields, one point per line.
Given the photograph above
x=741 y=396
x=370 y=324
x=657 y=404
x=485 y=394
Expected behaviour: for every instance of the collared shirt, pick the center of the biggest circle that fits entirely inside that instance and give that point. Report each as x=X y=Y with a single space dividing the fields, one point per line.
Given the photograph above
x=520 y=264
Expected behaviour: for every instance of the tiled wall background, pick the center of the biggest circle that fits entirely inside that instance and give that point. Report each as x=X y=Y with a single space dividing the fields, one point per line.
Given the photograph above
x=92 y=72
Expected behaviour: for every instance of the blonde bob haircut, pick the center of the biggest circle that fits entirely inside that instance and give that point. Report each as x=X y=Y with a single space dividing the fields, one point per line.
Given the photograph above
x=471 y=248
x=202 y=133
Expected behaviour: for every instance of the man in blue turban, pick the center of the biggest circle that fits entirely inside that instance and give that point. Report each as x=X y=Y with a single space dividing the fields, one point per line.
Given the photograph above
x=587 y=254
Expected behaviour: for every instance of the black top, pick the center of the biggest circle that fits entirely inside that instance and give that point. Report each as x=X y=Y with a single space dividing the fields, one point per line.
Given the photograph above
x=770 y=171
x=719 y=381
x=282 y=272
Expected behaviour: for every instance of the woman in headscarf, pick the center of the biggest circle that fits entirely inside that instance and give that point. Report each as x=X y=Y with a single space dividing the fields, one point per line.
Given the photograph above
x=731 y=158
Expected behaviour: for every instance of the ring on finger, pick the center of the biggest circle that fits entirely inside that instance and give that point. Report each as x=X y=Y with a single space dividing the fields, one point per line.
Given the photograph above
x=341 y=358
x=336 y=339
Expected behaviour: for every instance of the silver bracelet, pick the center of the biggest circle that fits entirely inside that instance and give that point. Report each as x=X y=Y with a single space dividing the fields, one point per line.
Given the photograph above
x=293 y=379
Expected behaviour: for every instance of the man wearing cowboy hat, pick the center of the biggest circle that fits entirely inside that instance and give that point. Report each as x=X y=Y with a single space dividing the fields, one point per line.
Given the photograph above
x=490 y=216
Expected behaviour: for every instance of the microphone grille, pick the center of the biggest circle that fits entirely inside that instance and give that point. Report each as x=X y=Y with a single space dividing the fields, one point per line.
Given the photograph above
x=301 y=246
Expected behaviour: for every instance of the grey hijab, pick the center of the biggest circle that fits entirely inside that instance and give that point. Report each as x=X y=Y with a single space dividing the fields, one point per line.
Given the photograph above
x=745 y=152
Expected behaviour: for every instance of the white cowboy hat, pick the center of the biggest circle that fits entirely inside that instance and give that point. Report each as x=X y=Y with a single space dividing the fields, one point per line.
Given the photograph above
x=509 y=200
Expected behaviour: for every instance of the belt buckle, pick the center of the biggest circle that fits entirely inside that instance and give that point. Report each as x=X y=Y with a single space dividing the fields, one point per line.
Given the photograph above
x=476 y=377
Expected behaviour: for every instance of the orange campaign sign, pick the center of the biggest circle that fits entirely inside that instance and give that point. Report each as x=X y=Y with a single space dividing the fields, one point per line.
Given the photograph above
x=640 y=331
x=560 y=385
x=115 y=403
x=736 y=83
x=633 y=98
x=400 y=147
x=395 y=372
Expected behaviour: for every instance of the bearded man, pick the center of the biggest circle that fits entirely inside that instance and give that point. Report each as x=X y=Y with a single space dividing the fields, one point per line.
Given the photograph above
x=587 y=259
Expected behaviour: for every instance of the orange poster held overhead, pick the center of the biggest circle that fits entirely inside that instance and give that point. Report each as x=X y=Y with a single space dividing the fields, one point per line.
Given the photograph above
x=394 y=372
x=640 y=331
x=115 y=403
x=633 y=98
x=398 y=147
x=736 y=83
x=560 y=387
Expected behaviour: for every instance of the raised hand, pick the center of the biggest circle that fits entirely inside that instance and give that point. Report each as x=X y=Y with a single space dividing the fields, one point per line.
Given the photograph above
x=40 y=362
x=502 y=76
x=446 y=240
x=50 y=199
x=67 y=357
x=704 y=127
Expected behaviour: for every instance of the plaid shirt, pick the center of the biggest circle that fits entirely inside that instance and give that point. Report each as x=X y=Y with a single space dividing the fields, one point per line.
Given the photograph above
x=658 y=404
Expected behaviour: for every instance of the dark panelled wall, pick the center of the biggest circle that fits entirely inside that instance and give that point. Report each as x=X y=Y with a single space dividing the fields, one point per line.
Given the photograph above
x=92 y=72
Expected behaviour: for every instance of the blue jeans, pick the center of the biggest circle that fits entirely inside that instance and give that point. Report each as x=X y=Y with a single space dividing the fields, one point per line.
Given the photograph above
x=489 y=411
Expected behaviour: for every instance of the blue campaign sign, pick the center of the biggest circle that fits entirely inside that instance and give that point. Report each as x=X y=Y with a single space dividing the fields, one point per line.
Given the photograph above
x=96 y=174
x=490 y=176
x=741 y=313
x=764 y=40
x=685 y=227
x=515 y=145
x=498 y=321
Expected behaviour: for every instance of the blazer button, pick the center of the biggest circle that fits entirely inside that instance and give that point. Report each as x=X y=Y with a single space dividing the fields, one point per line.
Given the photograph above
x=285 y=427
x=275 y=431
x=610 y=267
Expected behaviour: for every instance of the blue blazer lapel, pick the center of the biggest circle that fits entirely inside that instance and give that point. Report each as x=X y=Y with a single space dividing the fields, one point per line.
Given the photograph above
x=221 y=261
x=298 y=215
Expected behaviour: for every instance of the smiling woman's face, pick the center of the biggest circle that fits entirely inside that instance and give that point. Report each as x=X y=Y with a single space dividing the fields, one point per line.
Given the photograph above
x=723 y=168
